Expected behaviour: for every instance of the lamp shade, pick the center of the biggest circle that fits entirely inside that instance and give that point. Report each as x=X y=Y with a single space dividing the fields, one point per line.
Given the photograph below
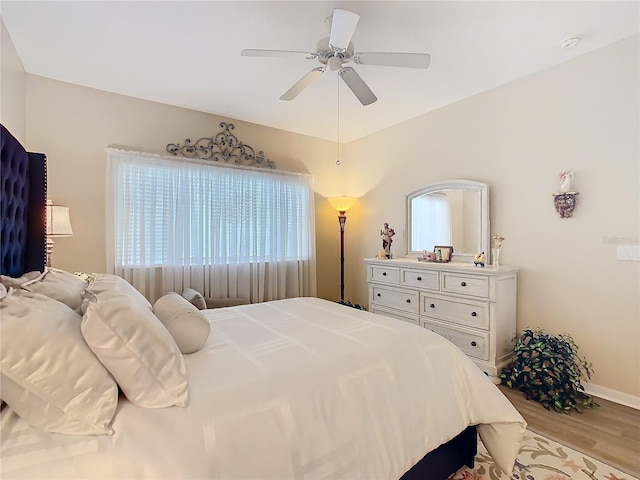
x=58 y=221
x=342 y=204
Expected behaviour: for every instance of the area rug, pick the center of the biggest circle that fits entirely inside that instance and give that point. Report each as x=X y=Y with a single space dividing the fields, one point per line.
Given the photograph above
x=541 y=459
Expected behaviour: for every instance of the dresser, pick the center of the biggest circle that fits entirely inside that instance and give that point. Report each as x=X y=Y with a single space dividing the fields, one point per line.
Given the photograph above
x=473 y=307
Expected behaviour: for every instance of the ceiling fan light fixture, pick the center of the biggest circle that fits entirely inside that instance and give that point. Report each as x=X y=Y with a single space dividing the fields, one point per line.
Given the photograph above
x=335 y=63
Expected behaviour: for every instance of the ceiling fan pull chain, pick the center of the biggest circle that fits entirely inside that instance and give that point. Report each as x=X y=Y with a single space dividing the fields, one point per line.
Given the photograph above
x=338 y=85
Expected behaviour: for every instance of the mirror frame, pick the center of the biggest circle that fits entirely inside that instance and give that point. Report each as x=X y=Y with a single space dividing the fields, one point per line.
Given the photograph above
x=485 y=230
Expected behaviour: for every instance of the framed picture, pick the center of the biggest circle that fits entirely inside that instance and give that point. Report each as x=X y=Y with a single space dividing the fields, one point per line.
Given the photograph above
x=443 y=253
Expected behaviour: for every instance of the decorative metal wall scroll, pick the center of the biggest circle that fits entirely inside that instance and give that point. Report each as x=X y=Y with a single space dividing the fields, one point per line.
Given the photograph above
x=224 y=146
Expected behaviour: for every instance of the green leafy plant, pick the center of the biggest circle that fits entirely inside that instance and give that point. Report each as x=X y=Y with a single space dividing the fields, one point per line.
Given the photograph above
x=352 y=305
x=548 y=369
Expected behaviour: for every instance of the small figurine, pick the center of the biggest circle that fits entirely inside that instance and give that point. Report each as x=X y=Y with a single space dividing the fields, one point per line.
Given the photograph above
x=495 y=249
x=387 y=233
x=565 y=201
x=497 y=240
x=479 y=259
x=566 y=178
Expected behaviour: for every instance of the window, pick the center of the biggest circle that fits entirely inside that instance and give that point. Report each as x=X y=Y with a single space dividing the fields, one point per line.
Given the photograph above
x=169 y=213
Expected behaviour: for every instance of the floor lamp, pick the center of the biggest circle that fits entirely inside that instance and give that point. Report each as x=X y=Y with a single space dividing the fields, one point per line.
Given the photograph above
x=342 y=204
x=58 y=225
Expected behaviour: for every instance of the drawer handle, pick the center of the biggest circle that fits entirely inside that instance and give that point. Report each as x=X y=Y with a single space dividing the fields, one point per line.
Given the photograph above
x=473 y=344
x=463 y=284
x=384 y=274
x=474 y=314
x=431 y=305
x=419 y=279
x=379 y=294
x=408 y=300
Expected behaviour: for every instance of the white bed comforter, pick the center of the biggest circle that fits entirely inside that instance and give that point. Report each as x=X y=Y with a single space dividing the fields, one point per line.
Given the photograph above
x=297 y=388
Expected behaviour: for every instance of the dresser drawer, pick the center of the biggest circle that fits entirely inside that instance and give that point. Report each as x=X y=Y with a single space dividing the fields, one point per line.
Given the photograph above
x=385 y=274
x=404 y=316
x=420 y=279
x=475 y=344
x=474 y=286
x=472 y=314
x=404 y=300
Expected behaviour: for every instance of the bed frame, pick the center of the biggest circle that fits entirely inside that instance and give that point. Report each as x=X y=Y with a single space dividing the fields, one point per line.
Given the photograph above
x=23 y=248
x=447 y=459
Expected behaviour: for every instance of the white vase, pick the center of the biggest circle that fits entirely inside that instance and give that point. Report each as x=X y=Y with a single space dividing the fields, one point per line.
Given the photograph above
x=495 y=257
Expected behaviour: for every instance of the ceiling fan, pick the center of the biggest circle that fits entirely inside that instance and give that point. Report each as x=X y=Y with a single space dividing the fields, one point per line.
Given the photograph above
x=337 y=50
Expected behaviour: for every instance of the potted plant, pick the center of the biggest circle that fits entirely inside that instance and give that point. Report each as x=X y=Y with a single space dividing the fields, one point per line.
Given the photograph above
x=548 y=369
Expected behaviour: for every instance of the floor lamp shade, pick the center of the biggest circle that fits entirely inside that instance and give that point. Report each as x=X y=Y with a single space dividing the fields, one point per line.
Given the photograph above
x=58 y=225
x=342 y=204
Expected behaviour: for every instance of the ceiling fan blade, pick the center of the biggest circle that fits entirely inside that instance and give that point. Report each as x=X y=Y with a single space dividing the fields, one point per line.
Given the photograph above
x=393 y=59
x=253 y=52
x=303 y=83
x=343 y=24
x=357 y=86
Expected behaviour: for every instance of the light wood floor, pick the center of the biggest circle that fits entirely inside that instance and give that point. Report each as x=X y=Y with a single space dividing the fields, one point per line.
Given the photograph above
x=609 y=433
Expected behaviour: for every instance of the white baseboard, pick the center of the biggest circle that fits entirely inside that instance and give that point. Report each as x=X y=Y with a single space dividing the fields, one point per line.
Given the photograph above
x=612 y=395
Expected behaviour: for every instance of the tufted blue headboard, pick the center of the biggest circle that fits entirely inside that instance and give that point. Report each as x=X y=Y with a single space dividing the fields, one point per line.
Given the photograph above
x=23 y=183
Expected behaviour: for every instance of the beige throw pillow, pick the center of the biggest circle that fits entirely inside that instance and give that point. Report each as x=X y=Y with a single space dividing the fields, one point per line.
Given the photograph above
x=195 y=298
x=15 y=282
x=186 y=324
x=138 y=351
x=49 y=376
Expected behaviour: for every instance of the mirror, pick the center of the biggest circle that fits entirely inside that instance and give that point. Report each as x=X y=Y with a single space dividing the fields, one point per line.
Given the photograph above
x=451 y=212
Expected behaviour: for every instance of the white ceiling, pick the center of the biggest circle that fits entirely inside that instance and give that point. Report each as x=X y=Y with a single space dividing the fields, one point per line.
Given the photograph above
x=188 y=53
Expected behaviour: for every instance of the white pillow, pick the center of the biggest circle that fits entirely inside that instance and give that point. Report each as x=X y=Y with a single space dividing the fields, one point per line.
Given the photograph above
x=49 y=376
x=106 y=285
x=58 y=285
x=186 y=324
x=138 y=351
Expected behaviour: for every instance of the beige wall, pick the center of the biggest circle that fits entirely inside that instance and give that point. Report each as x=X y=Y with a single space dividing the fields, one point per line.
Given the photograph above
x=583 y=115
x=73 y=125
x=13 y=88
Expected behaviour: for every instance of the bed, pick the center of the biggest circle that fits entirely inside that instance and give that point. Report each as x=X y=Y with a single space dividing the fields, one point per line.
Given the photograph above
x=295 y=388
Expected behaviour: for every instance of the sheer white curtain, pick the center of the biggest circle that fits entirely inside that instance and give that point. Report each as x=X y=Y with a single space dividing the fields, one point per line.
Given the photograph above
x=437 y=231
x=224 y=231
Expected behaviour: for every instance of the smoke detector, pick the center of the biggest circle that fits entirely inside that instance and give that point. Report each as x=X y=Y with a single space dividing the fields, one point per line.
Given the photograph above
x=569 y=43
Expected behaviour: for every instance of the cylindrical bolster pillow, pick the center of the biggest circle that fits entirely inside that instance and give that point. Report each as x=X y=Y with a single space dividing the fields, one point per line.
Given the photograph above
x=195 y=298
x=186 y=324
